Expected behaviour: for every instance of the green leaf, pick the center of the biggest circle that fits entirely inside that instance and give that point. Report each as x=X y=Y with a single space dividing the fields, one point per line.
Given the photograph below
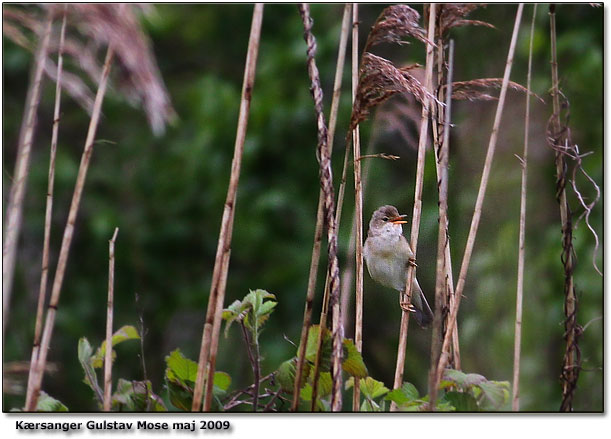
x=372 y=388
x=463 y=380
x=267 y=308
x=124 y=333
x=233 y=312
x=443 y=405
x=136 y=396
x=312 y=346
x=403 y=396
x=181 y=395
x=180 y=377
x=462 y=401
x=474 y=379
x=496 y=394
x=181 y=367
x=222 y=381
x=286 y=374
x=306 y=395
x=47 y=403
x=306 y=392
x=353 y=361
x=445 y=384
x=369 y=406
x=325 y=383
x=455 y=376
x=85 y=352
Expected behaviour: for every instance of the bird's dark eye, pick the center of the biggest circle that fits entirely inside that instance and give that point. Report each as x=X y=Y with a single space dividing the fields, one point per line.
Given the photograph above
x=385 y=218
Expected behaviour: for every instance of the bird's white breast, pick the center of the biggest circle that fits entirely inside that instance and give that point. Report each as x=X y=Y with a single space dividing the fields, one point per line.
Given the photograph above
x=385 y=258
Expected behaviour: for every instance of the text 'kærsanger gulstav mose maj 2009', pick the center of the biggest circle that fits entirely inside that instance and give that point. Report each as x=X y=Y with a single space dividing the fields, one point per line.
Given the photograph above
x=116 y=425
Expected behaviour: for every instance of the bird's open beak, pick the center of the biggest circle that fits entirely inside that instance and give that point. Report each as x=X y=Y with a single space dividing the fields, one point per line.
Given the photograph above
x=399 y=219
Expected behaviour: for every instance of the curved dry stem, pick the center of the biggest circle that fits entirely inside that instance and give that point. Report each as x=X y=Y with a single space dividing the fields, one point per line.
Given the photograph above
x=14 y=208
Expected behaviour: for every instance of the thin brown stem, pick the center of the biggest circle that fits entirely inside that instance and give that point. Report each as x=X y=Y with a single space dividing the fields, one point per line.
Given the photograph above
x=221 y=262
x=348 y=268
x=307 y=314
x=14 y=208
x=214 y=341
x=358 y=208
x=443 y=358
x=68 y=233
x=109 y=318
x=515 y=403
x=437 y=114
x=253 y=363
x=411 y=272
x=570 y=367
x=42 y=292
x=442 y=237
x=326 y=181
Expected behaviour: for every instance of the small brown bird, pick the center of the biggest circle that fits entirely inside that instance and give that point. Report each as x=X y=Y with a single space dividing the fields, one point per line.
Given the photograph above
x=388 y=255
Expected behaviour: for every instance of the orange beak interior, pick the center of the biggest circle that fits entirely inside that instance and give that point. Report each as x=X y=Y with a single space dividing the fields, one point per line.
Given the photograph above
x=399 y=219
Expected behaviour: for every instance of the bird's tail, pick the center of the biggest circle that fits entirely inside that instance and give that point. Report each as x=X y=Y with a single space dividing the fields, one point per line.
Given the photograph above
x=423 y=314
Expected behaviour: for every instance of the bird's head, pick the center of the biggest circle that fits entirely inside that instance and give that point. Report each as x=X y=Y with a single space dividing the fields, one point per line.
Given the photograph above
x=387 y=220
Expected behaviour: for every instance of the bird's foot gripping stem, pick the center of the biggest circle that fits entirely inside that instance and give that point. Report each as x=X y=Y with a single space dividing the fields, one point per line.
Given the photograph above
x=405 y=304
x=407 y=307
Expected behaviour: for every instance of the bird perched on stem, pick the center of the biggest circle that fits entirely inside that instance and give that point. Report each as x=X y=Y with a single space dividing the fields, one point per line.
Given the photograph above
x=388 y=255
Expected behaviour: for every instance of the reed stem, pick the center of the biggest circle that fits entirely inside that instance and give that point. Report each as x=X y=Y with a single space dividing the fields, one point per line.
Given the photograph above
x=109 y=318
x=443 y=358
x=69 y=233
x=42 y=292
x=515 y=403
x=221 y=262
x=14 y=207
x=411 y=272
x=307 y=314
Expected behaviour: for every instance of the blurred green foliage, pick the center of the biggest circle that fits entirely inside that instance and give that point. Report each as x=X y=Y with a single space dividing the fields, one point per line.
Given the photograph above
x=166 y=195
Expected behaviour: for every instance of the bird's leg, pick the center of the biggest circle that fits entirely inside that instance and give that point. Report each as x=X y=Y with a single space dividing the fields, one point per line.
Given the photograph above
x=412 y=262
x=403 y=303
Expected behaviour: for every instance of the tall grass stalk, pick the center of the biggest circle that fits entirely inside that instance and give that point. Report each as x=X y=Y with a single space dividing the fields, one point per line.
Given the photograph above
x=570 y=369
x=307 y=313
x=221 y=263
x=326 y=181
x=14 y=208
x=214 y=343
x=68 y=234
x=109 y=318
x=443 y=358
x=443 y=260
x=358 y=208
x=411 y=272
x=515 y=403
x=42 y=292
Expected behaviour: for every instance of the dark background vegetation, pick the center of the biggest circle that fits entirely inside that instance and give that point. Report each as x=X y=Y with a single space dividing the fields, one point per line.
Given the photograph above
x=166 y=195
